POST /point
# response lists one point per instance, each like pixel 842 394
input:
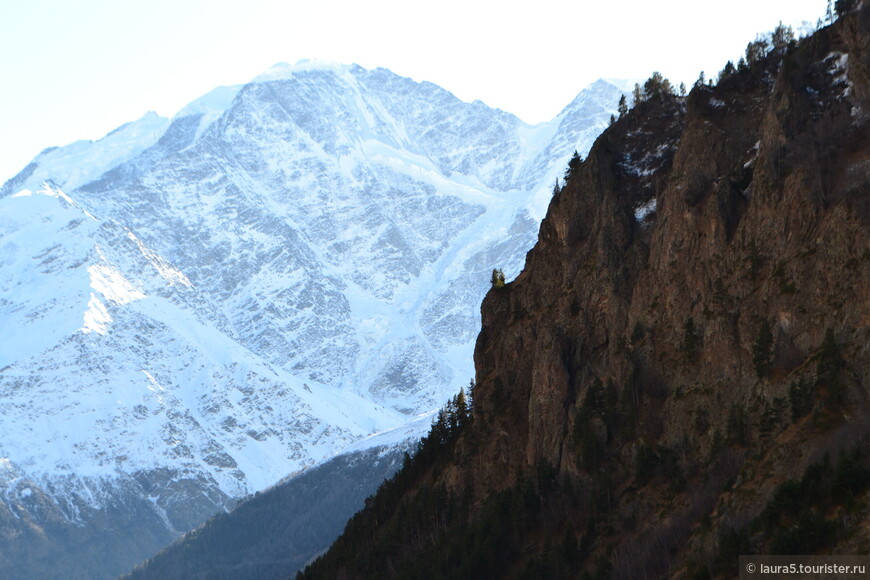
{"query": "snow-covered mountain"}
pixel 191 309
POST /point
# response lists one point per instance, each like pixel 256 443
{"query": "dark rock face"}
pixel 761 191
pixel 690 334
pixel 761 215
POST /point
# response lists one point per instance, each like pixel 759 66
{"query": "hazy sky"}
pixel 77 69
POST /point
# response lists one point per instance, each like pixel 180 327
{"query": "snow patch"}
pixel 210 106
pixel 645 210
pixel 754 151
pixel 96 317
pixel 283 71
pixel 81 162
pixel 215 102
pixel 172 275
pixel 838 68
pixel 112 285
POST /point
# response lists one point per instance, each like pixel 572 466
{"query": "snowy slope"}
pixel 107 373
pixel 83 161
pixel 279 271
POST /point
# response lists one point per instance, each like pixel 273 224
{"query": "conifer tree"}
pixel 756 50
pixel 657 86
pixel 461 409
pixel 782 37
pixel 762 350
pixel 440 428
pixel 573 165
pixel 691 344
pixel 623 106
pixel 637 96
pixel 830 367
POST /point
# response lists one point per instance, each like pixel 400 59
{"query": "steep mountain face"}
pixel 680 373
pixel 195 308
pixel 277 532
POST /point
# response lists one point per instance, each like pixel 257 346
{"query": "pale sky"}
pixel 76 69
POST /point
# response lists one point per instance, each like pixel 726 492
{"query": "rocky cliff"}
pixel 679 375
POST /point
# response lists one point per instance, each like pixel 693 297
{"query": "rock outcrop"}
pixel 680 373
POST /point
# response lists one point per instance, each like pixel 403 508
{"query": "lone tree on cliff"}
pixel 573 165
pixel 623 106
pixel 497 278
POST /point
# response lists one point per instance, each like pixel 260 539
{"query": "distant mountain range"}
pixel 194 308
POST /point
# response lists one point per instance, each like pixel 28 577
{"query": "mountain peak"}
pixel 625 85
pixel 307 258
pixel 282 70
pixel 217 100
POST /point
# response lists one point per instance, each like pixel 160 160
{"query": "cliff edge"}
pixel 680 374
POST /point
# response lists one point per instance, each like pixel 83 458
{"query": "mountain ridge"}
pixel 244 294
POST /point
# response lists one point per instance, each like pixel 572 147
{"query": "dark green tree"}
pixel 829 371
pixel 657 86
pixel 800 397
pixel 594 400
pixel 462 410
pixel 573 165
pixel 623 105
pixel 755 260
pixel 735 429
pixel 440 430
pixel 756 50
pixel 771 418
pixel 762 350
pixel 782 37
pixel 691 344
